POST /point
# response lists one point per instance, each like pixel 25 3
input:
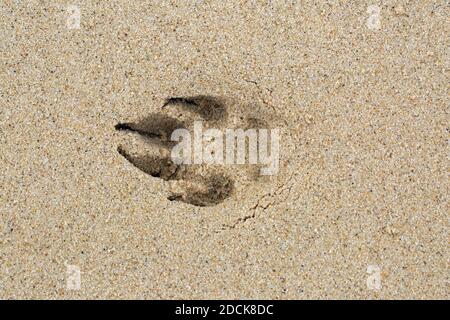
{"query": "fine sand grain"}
pixel 358 209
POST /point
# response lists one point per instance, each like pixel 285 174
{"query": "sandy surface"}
pixel 363 185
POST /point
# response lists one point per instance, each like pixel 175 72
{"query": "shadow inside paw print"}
pixel 196 184
pixel 200 191
pixel 209 108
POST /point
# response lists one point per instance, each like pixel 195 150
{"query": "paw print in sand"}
pixel 207 148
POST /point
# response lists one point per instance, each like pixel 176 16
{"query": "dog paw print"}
pixel 205 147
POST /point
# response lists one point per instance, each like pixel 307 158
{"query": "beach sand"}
pixel 359 209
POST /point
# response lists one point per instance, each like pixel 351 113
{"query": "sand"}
pixel 359 209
